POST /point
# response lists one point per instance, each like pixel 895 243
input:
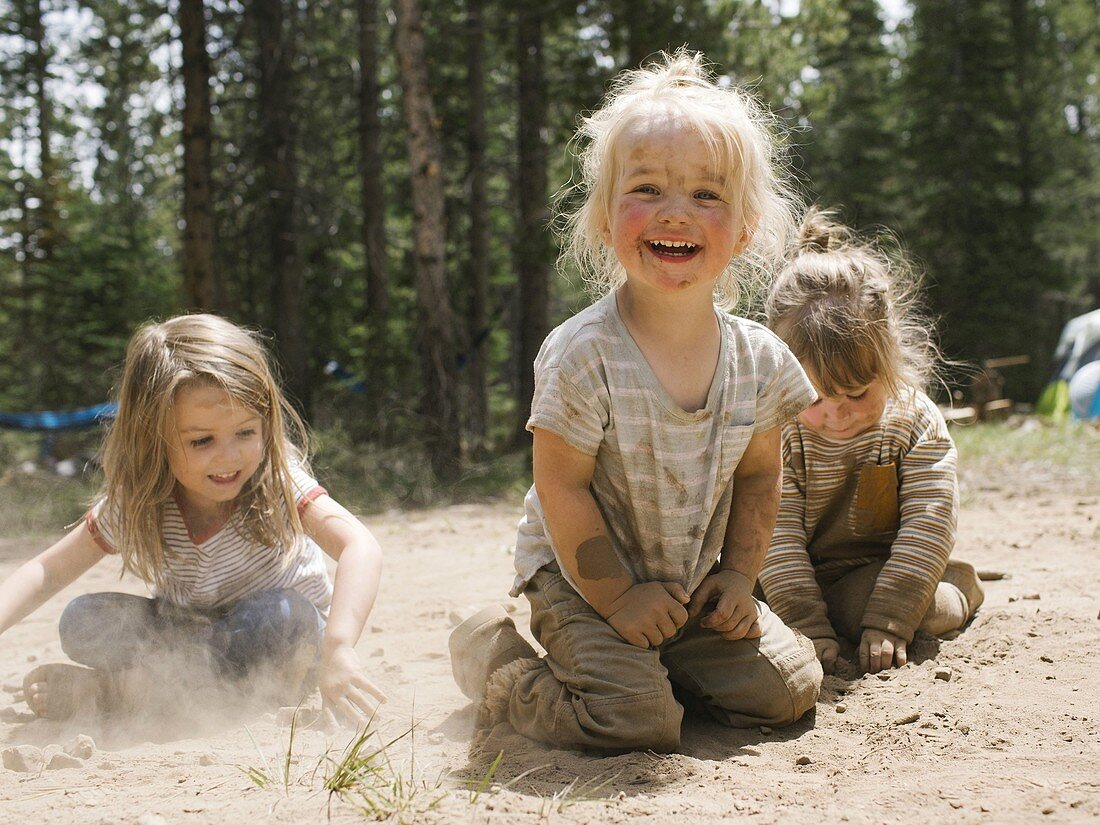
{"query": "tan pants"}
pixel 846 600
pixel 595 690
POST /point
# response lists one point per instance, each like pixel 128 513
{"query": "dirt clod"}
pixel 60 761
pixel 82 747
pixel 23 759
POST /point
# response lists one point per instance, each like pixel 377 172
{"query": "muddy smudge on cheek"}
pixel 596 560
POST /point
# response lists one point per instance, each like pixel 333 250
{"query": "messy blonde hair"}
pixel 848 309
pixel 162 359
pixel 742 139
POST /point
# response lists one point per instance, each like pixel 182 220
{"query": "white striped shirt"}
pixel 824 528
pixel 663 478
pixel 218 570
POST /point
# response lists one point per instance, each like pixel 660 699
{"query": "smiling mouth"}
pixel 224 478
pixel 674 249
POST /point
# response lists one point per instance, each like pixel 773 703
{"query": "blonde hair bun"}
pixel 821 232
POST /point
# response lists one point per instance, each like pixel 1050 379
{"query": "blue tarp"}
pixel 60 420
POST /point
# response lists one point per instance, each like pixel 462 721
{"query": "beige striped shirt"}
pixel 835 515
pixel 218 570
pixel 663 478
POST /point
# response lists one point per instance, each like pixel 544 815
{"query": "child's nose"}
pixel 674 210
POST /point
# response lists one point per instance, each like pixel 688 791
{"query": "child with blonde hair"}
pixel 655 420
pixel 207 496
pixel 870 498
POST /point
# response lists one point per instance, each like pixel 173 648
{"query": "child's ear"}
pixel 605 233
pixel 747 231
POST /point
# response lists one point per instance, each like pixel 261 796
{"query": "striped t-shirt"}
pixel 889 493
pixel 663 478
pixel 218 570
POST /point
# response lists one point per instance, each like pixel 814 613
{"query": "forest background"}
pixel 370 182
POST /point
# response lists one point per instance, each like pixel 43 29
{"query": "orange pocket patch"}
pixel 876 510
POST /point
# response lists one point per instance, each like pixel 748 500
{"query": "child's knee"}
pixel 74 626
pixel 643 722
pixel 788 686
pixel 802 676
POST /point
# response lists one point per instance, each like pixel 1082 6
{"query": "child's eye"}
pixel 708 196
pixel 646 189
pixel 202 442
pixel 857 397
pixel 247 433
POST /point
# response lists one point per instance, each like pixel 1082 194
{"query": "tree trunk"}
pixel 371 169
pixel 532 249
pixel 435 317
pixel 477 413
pixel 47 213
pixel 279 173
pixel 201 284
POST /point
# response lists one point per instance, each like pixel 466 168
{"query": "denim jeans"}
pixel 118 631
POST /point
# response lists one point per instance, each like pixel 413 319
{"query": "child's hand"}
pixel 348 695
pixel 878 650
pixel 826 651
pixel 648 614
pixel 734 612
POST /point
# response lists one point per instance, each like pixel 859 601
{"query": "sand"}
pixel 1000 724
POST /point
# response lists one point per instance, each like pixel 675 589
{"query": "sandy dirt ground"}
pixel 1001 724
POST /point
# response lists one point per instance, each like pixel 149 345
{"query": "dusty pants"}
pixel 846 598
pixel 594 690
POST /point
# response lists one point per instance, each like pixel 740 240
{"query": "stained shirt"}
pixel 663 477
pixel 889 493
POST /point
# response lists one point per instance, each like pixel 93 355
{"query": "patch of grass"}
pixel 1073 446
pixel 362 775
pixel 32 503
pixel 576 791
pixel 368 478
pixel 476 792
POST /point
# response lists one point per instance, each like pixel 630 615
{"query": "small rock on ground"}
pixel 82 747
pixel 61 760
pixel 23 759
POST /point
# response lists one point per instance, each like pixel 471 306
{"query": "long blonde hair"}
pixel 161 359
pixel 848 307
pixel 743 140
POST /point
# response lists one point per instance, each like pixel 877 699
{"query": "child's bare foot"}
pixel 59 691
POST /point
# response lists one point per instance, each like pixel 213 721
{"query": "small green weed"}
pixel 362 775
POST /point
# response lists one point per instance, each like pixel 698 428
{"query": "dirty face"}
pixel 845 415
pixel 674 220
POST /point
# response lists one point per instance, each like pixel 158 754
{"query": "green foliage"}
pixel 850 110
pixel 1069 449
pixel 371 478
pixel 971 131
pixel 982 121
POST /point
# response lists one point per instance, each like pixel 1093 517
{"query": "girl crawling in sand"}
pixel 870 498
pixel 207 496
